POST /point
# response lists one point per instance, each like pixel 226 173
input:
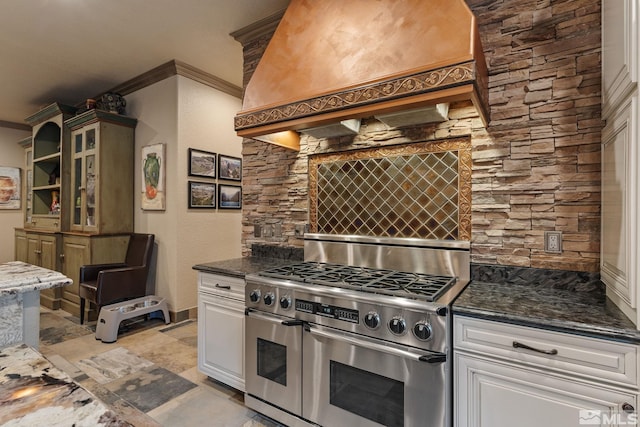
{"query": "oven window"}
pixel 366 394
pixel 272 361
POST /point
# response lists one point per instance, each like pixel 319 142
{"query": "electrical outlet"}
pixel 257 230
pixel 553 242
pixel 300 230
pixel 277 230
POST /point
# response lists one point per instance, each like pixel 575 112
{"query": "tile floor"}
pixel 149 375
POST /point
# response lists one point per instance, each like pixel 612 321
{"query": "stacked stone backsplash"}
pixel 536 167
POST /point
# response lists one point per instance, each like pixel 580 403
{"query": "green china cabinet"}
pixel 79 210
pixel 102 172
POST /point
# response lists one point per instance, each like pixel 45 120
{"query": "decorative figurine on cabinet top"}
pixel 112 102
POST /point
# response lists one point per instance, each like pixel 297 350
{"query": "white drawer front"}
pixel 217 284
pixel 592 358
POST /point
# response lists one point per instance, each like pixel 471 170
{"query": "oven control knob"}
pixel 285 302
pixel 372 320
pixel 422 330
pixel 269 298
pixel 254 296
pixel 398 325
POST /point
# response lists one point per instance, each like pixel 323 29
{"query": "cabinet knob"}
pixel 61 257
pixel 628 408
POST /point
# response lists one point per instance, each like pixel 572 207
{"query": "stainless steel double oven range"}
pixel 359 334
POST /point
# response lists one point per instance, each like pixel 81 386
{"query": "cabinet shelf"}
pixel 51 158
pixel 47 187
pixel 46 216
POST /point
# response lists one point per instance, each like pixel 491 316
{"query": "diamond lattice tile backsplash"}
pixel 418 190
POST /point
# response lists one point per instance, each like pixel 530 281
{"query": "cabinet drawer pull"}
pixel 517 344
pixel 628 408
pixel 219 286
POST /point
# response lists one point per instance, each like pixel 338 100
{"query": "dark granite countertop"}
pixel 239 267
pixel 560 308
pixel 572 302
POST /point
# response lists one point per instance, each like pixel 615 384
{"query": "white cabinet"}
pixel 221 328
pixel 508 375
pixel 620 161
pixel 494 394
pixel 619 52
pixel 620 223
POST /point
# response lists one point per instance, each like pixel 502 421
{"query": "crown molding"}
pixel 203 77
pixel 14 125
pixel 258 29
pixel 26 142
pixel 173 68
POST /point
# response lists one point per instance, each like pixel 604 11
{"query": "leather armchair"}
pixel 105 284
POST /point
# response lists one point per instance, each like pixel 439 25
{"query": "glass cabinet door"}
pixel 28 212
pixel 77 180
pixel 84 179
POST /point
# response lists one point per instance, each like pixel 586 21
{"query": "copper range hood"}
pixel 333 61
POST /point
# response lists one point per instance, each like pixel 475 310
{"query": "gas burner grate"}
pixel 298 271
pixel 422 286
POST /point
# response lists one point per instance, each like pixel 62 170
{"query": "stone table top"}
pixel 18 277
pixel 34 393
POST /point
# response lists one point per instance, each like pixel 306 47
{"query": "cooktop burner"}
pixel 421 286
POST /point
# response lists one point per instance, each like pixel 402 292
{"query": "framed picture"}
pixel 202 163
pixel 153 166
pixel 229 168
pixel 10 188
pixel 202 194
pixel 229 196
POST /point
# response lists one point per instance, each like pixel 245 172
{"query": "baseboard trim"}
pixel 182 315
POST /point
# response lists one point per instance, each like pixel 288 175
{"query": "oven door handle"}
pixel 429 358
pixel 286 322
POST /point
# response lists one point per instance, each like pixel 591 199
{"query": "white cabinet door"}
pixel 618 266
pixel 221 339
pixel 495 394
pixel 619 52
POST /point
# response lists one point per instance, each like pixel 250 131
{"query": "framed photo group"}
pixel 211 194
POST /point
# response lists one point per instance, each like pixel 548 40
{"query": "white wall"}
pixel 183 114
pixel 12 155
pixel 155 107
pixel 205 122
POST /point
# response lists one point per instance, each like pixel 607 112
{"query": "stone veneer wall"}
pixel 536 167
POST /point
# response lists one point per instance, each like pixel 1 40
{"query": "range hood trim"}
pixel 453 94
